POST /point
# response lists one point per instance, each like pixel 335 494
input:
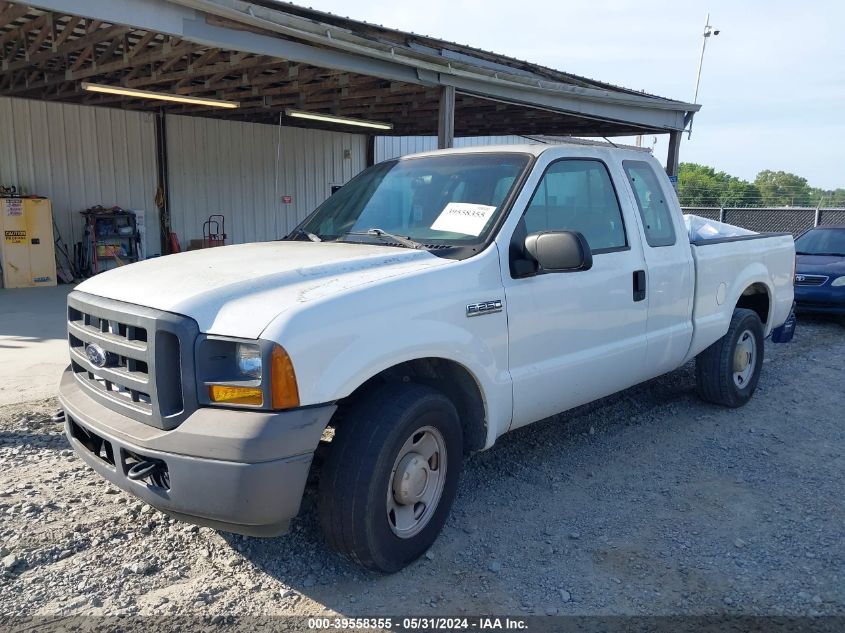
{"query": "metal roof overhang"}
pixel 270 56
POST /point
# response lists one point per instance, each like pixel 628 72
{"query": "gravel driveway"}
pixel 649 502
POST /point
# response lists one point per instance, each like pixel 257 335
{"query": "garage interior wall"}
pixel 80 156
pixel 394 146
pixel 245 170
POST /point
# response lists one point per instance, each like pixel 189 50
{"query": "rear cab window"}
pixel 651 201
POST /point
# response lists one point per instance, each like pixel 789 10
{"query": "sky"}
pixel 772 86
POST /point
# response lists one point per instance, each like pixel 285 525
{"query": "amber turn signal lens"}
pixel 282 380
pixel 235 395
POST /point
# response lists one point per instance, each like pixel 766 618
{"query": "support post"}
pixel 162 198
pixel 371 150
pixel 672 159
pixel 446 118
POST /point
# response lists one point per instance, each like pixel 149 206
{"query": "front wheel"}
pixel 727 372
pixel 391 475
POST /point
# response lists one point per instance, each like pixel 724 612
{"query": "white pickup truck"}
pixel 432 304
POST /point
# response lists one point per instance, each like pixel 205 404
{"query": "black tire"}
pixel 357 477
pixel 715 368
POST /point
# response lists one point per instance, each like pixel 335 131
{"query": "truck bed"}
pixel 728 268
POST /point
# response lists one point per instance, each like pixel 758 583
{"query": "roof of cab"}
pixel 580 149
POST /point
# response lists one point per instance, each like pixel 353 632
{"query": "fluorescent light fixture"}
pixel 158 96
pixel 329 118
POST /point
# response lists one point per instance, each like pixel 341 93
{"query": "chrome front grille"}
pixel 134 360
pixel 125 378
pixel 810 280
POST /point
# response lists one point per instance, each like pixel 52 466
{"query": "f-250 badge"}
pixel 485 307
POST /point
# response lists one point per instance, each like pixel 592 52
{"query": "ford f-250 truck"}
pixel 429 306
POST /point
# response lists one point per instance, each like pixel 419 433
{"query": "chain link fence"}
pixel 793 220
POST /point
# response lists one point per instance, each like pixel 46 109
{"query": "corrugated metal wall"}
pixel 394 146
pixel 79 156
pixel 230 167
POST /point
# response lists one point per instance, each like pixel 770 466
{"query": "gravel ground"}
pixel 649 502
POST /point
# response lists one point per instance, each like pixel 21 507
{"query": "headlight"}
pixel 839 281
pixel 245 373
pixel 249 360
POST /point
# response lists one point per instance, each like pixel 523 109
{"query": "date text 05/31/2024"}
pixel 419 624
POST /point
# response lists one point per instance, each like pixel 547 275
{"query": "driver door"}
pixel 575 336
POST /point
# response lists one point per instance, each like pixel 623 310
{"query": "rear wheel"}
pixel 727 372
pixel 390 477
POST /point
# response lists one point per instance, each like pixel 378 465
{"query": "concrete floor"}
pixel 33 342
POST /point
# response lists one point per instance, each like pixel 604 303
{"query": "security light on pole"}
pixel 708 32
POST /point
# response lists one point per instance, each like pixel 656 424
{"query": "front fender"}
pixel 339 342
pixel 359 362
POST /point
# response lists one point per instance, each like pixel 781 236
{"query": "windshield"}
pixel 451 199
pixel 821 242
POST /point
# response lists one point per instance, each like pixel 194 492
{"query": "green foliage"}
pixel 782 189
pixel 703 186
pixel 699 185
pixel 836 198
pixel 832 198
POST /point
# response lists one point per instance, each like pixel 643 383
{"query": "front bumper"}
pixel 239 471
pixel 825 299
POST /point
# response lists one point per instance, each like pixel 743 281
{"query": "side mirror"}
pixel 559 251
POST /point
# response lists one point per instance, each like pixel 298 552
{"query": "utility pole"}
pixel 708 31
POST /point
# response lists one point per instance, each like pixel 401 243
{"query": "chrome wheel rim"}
pixel 745 359
pixel 416 482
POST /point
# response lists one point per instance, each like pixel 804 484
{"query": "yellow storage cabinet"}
pixel 27 252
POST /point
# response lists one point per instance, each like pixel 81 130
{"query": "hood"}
pixel 238 290
pixel 831 265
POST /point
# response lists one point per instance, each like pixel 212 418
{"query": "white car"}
pixel 428 307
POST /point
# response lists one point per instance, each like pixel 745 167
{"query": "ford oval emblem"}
pixel 96 355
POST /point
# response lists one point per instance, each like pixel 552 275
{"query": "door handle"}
pixel 639 285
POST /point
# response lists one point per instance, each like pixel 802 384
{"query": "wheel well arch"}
pixel 757 297
pixel 445 375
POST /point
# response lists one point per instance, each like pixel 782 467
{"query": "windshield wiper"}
pixel 384 235
pixel 311 236
pixel 822 254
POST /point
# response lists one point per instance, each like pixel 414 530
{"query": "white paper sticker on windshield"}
pixel 463 217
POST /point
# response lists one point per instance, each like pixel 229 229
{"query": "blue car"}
pixel 820 270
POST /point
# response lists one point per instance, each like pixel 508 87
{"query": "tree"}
pixel 703 186
pixel 827 198
pixel 741 193
pixel 783 189
pixel 697 185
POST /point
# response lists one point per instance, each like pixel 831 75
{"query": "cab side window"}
pixel 578 195
pixel 652 203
